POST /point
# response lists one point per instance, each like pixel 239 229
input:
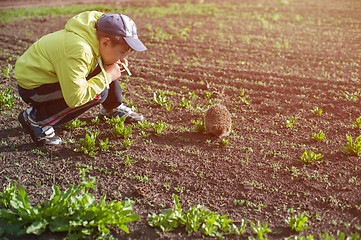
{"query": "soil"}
pixel 8 4
pixel 265 61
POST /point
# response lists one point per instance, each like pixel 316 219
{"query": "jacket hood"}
pixel 83 25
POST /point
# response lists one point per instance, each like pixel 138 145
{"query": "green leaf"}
pixel 177 203
pixel 56 193
pixel 38 227
pixel 59 224
pixel 124 228
pixel 11 227
pixel 74 211
pixel 87 231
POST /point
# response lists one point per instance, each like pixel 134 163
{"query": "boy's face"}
pixel 111 52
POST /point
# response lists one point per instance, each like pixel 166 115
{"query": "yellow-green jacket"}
pixel 67 57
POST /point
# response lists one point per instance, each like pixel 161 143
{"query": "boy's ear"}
pixel 104 41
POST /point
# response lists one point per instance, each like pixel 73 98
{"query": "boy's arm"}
pixel 77 91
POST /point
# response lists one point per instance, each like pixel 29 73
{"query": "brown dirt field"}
pixel 282 59
pixel 8 4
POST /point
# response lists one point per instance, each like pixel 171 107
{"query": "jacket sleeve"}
pixel 71 72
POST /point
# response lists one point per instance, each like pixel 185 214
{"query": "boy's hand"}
pixel 113 71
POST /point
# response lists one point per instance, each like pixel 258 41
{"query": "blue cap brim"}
pixel 135 44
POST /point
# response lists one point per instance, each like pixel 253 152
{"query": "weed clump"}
pixel 74 211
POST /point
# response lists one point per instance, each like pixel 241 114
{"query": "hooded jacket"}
pixel 67 57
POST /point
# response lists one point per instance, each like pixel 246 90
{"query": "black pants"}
pixel 50 108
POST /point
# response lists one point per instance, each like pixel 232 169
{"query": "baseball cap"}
pixel 120 24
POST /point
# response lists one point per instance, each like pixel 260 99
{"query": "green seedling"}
pixel 291 121
pixel 183 33
pixel 95 121
pixel 244 100
pixel 244 97
pixel 353 148
pixel 169 106
pixel 160 127
pixel 160 99
pixel 7 99
pixel 298 222
pixel 309 237
pixel 87 144
pixel 127 143
pixel 122 131
pixel 351 96
pixel 75 123
pixel 317 111
pixel 128 162
pixel 260 230
pixel 192 95
pixel 294 171
pixel 310 156
pixel 74 211
pixel 122 86
pixel 320 136
pixel 339 236
pixel 6 71
pixel 119 128
pixel 200 125
pixel 224 142
pixel 103 145
pixel 159 35
pixel 357 124
pixel 210 223
pixel 144 124
pixel 115 120
pixel 167 220
pixel 185 103
pixel 208 94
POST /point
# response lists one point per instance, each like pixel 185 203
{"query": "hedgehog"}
pixel 218 121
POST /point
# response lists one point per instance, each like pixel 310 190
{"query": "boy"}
pixel 65 73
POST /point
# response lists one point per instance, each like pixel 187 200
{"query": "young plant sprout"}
pixel 351 96
pixel 6 71
pixel 298 222
pixel 224 142
pixel 317 111
pixel 309 157
pixel 353 148
pixel 357 124
pixel 7 99
pixel 199 125
pixel 87 144
pixel 291 121
pixel 75 123
pixel 160 127
pixel 320 136
pixel 196 218
pixel 127 143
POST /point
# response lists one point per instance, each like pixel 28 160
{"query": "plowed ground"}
pixel 268 63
